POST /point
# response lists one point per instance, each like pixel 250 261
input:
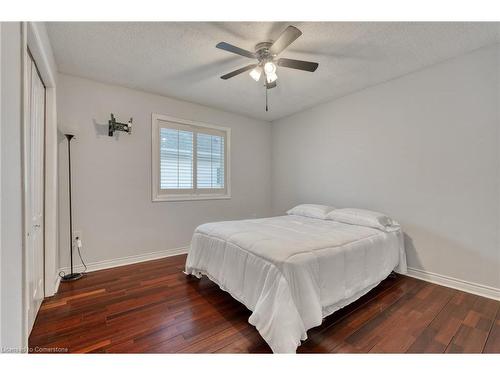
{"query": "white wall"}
pixel 11 272
pixel 423 148
pixel 112 176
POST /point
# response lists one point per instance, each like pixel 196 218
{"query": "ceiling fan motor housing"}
pixel 262 51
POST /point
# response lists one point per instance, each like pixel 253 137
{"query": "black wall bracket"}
pixel 119 126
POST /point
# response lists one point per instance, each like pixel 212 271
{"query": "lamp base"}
pixel 71 277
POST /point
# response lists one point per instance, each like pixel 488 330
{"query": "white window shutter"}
pixel 190 160
pixel 176 159
pixel 210 161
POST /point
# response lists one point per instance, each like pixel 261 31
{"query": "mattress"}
pixel 293 271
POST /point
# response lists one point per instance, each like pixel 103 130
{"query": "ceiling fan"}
pixel 266 54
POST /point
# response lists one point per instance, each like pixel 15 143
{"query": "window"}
pixel 190 160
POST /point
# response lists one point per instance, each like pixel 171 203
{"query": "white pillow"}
pixel 357 216
pixel 317 211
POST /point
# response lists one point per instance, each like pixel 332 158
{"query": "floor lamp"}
pixel 72 275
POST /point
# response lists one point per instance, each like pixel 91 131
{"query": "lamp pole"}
pixel 71 276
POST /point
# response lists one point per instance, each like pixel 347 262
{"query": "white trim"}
pixel 57 282
pixel 156 194
pixel 189 197
pixel 51 188
pixel 451 282
pixel 105 264
pixel 24 127
pixel 39 44
pixel 157 116
pixel 36 34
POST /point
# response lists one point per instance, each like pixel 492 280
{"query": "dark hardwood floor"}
pixel 153 307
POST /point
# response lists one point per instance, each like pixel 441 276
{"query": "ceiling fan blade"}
pixel 239 51
pixel 271 85
pixel 298 64
pixel 286 38
pixel 238 71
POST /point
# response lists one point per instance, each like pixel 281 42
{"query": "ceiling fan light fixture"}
pixel 266 53
pixel 271 77
pixel 269 68
pixel 255 73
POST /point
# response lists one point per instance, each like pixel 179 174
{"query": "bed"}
pixel 292 271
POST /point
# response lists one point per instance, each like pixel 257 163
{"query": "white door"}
pixel 34 154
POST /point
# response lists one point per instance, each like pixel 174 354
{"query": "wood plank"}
pixel 473 333
pixel 330 337
pixel 493 342
pixel 151 307
pixel 438 335
pixel 409 324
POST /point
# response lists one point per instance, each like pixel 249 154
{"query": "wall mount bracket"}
pixel 114 126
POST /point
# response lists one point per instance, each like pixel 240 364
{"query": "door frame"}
pixel 35 38
pixel 28 159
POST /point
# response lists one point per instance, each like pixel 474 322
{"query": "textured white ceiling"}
pixel 180 60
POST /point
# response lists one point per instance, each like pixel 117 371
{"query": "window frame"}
pixel 169 195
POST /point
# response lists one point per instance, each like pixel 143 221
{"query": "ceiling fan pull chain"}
pixel 266 55
pixel 266 98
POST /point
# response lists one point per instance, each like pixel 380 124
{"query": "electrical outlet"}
pixel 77 233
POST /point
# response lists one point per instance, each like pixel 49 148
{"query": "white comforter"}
pixel 292 271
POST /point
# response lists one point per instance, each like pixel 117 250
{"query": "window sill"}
pixel 198 197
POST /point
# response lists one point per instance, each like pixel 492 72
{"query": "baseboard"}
pixel 57 283
pixel 105 264
pixel 451 282
pixel 53 286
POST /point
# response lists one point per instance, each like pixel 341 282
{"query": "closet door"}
pixel 35 156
